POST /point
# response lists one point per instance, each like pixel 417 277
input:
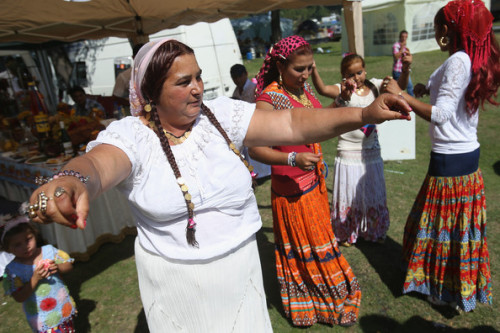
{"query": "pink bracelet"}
pixel 45 180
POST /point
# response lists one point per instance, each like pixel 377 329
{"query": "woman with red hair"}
pixel 444 246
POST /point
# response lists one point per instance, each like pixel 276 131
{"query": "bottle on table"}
pixel 40 115
pixel 66 143
pixel 28 141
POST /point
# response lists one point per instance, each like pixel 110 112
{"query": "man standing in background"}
pixel 245 89
pixel 122 82
pixel 399 51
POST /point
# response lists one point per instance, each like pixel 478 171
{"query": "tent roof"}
pixel 41 21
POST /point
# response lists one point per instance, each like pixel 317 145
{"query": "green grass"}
pixel 106 289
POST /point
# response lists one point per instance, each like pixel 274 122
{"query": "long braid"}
pixel 158 128
pixel 231 145
pixel 191 226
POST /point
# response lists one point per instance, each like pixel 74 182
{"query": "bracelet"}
pixel 339 101
pixel 44 180
pixel 292 159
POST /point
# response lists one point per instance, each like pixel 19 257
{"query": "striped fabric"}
pixel 317 284
pixel 444 246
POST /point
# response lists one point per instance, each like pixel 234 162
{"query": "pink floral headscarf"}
pixel 281 49
pixel 141 63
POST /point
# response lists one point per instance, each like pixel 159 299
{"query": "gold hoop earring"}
pixel 443 41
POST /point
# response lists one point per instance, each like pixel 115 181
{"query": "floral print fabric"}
pixel 50 304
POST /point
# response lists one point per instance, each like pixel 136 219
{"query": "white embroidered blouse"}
pixel 452 130
pixel 226 210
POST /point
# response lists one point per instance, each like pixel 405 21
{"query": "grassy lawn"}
pixel 106 291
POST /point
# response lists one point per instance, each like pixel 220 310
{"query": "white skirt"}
pixel 225 294
pixel 359 204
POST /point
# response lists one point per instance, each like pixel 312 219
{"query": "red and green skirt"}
pixel 445 247
pixel 317 284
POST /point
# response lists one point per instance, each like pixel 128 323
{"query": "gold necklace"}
pixel 302 99
pixel 177 140
pixel 360 90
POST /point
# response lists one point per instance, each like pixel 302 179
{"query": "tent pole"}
pixel 353 17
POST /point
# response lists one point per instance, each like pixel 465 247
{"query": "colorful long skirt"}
pixel 444 245
pixel 317 284
pixel 359 202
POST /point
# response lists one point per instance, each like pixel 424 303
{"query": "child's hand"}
pixel 41 270
pixel 53 268
pixel 48 266
pixel 348 87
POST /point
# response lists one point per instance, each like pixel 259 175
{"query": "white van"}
pixel 215 46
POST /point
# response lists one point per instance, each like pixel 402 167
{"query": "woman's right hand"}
pixel 386 107
pixel 307 161
pixel 420 90
pixel 67 202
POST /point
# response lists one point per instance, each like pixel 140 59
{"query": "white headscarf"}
pixel 141 63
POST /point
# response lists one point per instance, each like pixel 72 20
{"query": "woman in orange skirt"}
pixel 317 284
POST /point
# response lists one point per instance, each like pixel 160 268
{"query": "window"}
pixel 423 22
pixel 386 30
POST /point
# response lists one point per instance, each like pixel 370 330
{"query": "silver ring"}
pixel 59 191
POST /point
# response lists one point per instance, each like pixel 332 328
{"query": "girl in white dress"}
pixel 359 207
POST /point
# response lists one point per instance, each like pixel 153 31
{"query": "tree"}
pixel 275 26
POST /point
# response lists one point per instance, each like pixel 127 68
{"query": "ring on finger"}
pixel 59 191
pixel 42 202
pixel 32 213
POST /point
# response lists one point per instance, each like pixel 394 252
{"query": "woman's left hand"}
pixel 386 107
pixel 391 86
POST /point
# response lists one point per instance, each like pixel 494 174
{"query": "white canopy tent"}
pixel 384 19
pixel 69 20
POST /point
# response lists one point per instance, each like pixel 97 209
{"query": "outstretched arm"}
pixel 424 110
pixel 105 165
pixel 302 125
pixel 331 91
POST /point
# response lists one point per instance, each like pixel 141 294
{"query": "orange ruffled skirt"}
pixel 317 283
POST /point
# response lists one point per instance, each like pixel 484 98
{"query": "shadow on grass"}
pixel 385 259
pixel 108 255
pixel 142 324
pixel 268 263
pixel 416 324
pixel 496 167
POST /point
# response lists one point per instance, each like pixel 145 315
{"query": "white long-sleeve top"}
pixel 225 210
pixel 452 130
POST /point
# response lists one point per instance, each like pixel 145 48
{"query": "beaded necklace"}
pixel 360 91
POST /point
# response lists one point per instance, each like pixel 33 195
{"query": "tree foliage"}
pixel 310 12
